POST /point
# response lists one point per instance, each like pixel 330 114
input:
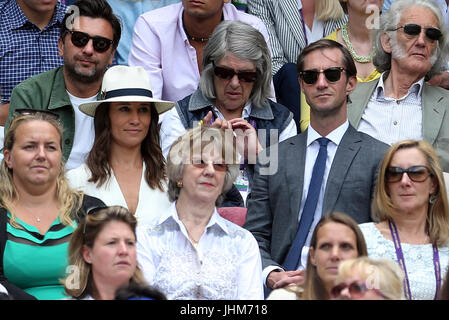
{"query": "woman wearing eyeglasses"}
pixel 336 238
pixel 368 279
pixel 38 210
pixel 233 93
pixel 191 252
pixel 125 166
pixel 411 209
pixel 102 255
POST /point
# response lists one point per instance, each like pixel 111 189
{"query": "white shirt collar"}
pixel 245 112
pixel 172 215
pixel 415 88
pixel 335 136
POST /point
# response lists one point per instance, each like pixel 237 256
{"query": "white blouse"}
pixel 226 264
pixel 152 202
pixel 418 260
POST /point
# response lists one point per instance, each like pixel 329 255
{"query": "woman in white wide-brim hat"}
pixel 125 166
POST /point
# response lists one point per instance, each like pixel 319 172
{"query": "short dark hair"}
pixel 93 9
pixel 348 61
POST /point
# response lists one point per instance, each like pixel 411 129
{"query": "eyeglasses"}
pixel 80 39
pixel 356 289
pixel 415 173
pixel 415 29
pixel 217 166
pixel 332 74
pixel 50 114
pixel 91 211
pixel 228 73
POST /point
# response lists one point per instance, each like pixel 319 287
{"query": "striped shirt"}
pixel 25 50
pixel 391 120
pixel 35 262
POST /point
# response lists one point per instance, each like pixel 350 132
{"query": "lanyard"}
pixel 304 28
pixel 400 257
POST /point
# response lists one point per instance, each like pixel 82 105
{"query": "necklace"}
pixel 361 59
pixel 196 39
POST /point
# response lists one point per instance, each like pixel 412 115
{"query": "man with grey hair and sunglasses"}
pixel 233 93
pixel 412 47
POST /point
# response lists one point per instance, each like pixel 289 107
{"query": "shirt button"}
pixel 67 141
pixel 398 102
pixel 395 123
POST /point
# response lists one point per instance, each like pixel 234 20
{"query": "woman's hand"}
pixel 246 139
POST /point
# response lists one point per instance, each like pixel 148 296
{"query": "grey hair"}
pixel 196 140
pixel 389 20
pixel 245 42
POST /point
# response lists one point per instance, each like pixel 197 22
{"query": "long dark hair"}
pixel 98 158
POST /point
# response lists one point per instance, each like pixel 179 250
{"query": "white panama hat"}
pixel 126 84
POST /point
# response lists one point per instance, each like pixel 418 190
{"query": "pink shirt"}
pixel 160 45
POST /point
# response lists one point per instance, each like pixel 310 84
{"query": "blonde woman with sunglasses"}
pixel 411 211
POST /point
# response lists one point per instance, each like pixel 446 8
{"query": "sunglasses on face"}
pixel 202 164
pixel 332 74
pixel 415 29
pixel 415 173
pixel 80 39
pixel 228 73
pixel 52 115
pixel 355 288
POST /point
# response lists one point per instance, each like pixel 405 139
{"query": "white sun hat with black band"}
pixel 126 84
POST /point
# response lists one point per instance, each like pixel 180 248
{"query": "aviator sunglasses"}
pixel 311 76
pixel 355 288
pixel 80 39
pixel 227 73
pixel 415 29
pixel 47 113
pixel 202 164
pixel 415 173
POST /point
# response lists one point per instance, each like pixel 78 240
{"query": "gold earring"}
pixel 179 184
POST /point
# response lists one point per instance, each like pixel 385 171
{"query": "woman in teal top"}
pixel 41 210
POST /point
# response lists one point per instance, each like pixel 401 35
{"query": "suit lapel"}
pixel 359 100
pixel 433 112
pixel 346 151
pixel 296 159
pixel 291 13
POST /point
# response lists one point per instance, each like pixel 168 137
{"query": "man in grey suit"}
pixel 275 208
pixel 411 48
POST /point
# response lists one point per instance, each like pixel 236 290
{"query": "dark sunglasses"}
pixel 91 211
pixel 355 288
pixel 415 29
pixel 228 73
pixel 217 166
pixel 80 39
pixel 332 74
pixel 415 173
pixel 51 115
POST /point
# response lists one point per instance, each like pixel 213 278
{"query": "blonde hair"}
pixel 438 212
pixel 328 10
pixel 85 235
pixel 383 275
pixel 69 200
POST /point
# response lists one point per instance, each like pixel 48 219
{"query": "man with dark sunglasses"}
pixel 89 36
pixel 329 167
pixel 412 47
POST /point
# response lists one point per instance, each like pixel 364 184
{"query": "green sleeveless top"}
pixel 35 262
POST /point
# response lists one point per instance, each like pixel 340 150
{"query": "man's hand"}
pixel 4 109
pixel 280 279
pixel 440 80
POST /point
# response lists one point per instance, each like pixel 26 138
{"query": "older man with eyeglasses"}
pixel 412 44
pixel 89 37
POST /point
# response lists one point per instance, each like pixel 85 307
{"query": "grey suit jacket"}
pixel 435 121
pixel 273 208
pixel 283 22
